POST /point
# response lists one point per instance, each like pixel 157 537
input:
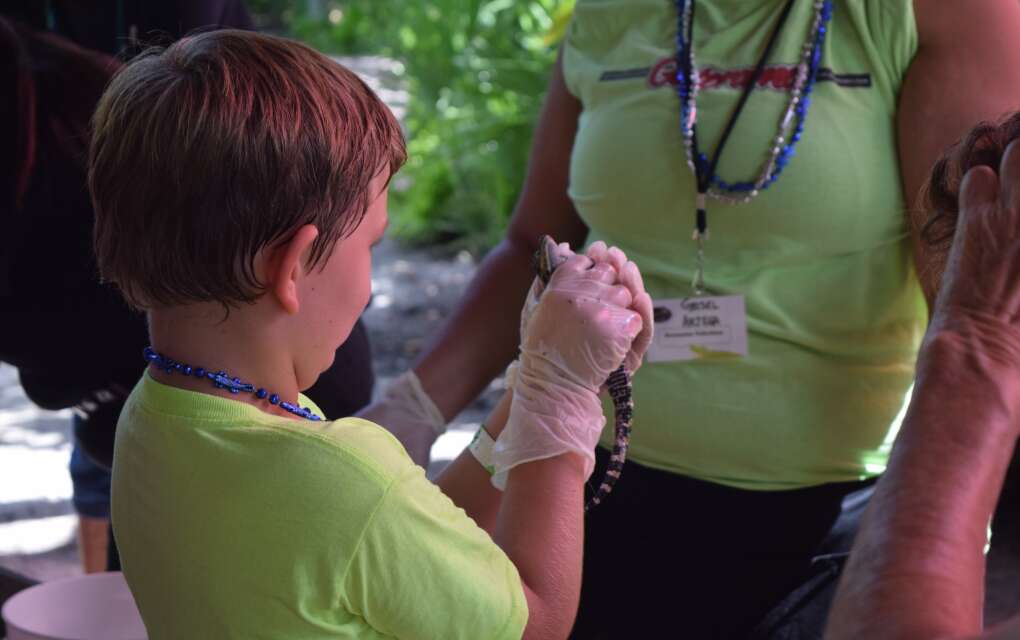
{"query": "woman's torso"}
pixel 822 257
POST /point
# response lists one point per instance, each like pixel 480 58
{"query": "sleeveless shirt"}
pixel 834 311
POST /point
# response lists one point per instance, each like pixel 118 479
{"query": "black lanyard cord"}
pixel 703 174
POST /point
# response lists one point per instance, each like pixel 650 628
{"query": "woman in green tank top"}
pixel 741 454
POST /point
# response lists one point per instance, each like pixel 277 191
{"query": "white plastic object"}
pixel 97 606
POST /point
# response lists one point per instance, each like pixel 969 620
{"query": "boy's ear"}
pixel 287 266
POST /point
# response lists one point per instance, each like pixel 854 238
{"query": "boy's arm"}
pixel 538 522
pixel 468 483
pixel 541 528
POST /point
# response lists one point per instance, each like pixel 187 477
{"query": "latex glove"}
pixel 563 253
pixel 510 377
pixel 579 331
pixel 406 411
pixel 630 277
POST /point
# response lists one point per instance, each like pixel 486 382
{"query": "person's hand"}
pixel 581 329
pixel 406 411
pixel 627 274
pixel 630 277
pixel 563 253
pixel 974 336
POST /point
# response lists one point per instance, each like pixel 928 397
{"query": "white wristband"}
pixel 481 448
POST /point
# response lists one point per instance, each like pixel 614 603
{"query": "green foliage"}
pixel 476 71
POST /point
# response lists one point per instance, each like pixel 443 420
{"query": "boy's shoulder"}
pixel 193 424
pixel 359 442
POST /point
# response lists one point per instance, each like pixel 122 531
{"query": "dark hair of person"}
pixel 939 208
pixel 207 152
pixel 49 88
pixel 17 112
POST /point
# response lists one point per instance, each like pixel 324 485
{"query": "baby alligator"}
pixel 618 383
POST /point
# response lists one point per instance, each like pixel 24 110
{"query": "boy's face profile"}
pixel 334 296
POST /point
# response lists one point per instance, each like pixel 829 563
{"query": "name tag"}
pixel 704 328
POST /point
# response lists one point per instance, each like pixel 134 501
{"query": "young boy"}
pixel 239 182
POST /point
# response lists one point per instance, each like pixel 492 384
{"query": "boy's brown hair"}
pixel 224 144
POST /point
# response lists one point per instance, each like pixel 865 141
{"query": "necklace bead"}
pixel 222 380
pixel 791 124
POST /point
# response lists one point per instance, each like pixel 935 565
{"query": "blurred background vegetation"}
pixel 475 71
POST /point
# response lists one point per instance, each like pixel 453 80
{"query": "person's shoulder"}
pixel 365 439
pixel 349 450
pixel 952 23
pixel 355 442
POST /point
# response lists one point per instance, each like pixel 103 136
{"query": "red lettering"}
pixel 778 77
pixel 663 73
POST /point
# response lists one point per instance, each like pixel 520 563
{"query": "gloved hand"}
pixel 630 277
pixel 406 411
pixel 563 253
pixel 578 332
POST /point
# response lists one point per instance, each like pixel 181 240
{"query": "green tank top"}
pixel 822 257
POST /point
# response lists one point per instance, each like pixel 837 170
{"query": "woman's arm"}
pixel 480 339
pixel 917 566
pixel 967 69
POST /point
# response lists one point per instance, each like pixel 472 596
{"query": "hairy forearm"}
pixel 917 567
pixel 540 527
pixel 481 337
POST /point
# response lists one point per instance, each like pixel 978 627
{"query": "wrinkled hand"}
pixel 578 332
pixel 406 411
pixel 974 336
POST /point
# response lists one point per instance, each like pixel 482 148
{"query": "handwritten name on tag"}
pixel 703 328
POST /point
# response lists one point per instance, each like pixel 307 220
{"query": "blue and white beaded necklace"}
pixel 222 380
pixel 791 123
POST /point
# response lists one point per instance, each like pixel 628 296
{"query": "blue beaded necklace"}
pixel 791 124
pixel 222 380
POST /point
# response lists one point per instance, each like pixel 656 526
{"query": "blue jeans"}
pixel 90 482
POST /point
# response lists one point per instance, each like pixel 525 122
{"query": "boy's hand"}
pixel 630 277
pixel 579 332
pixel 563 253
pixel 627 274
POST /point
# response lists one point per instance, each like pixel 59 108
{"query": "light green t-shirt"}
pixel 822 256
pixel 233 523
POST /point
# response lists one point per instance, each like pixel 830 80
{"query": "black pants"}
pixel 668 556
